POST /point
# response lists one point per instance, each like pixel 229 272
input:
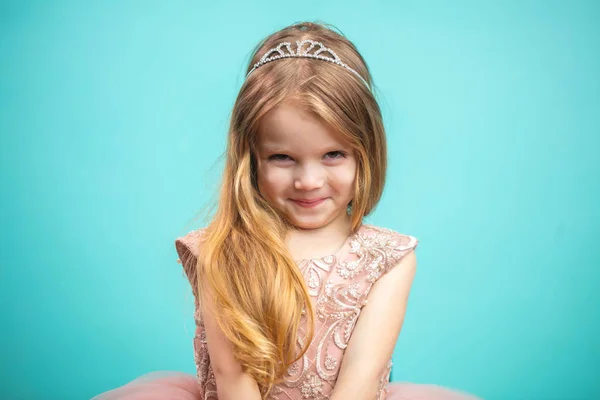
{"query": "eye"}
pixel 333 155
pixel 279 157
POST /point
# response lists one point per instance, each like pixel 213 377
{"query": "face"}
pixel 305 169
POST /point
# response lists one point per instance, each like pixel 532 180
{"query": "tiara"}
pixel 302 52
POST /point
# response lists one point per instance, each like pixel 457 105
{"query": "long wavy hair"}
pixel 259 293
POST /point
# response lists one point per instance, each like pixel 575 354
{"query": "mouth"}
pixel 309 203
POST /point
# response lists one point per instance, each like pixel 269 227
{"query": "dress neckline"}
pixel 334 254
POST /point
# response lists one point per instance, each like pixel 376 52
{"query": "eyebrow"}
pixel 272 147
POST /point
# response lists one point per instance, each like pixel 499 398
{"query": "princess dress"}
pixel 338 285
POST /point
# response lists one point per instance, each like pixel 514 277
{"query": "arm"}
pixel 376 332
pixel 232 383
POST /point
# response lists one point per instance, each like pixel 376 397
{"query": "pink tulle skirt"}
pixel 163 385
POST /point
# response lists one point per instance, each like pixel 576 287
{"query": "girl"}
pixel 295 297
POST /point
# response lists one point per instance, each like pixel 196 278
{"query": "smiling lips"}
pixel 309 203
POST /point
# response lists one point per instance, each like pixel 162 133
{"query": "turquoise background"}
pixel 113 117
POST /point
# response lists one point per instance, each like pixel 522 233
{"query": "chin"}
pixel 309 222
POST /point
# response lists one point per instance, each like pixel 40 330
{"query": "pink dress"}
pixel 338 285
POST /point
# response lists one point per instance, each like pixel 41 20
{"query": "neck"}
pixel 319 242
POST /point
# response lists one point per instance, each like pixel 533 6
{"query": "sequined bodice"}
pixel 338 286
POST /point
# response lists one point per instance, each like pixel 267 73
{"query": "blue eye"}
pixel 335 155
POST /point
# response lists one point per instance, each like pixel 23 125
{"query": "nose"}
pixel 309 177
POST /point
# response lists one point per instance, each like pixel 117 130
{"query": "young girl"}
pixel 297 298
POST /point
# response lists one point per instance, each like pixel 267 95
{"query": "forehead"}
pixel 291 126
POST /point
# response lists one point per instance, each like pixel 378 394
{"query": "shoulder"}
pixel 189 244
pixel 385 247
pixel 188 249
pixel 385 239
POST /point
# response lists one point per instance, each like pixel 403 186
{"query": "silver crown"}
pixel 303 52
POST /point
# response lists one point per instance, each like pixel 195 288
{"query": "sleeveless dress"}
pixel 338 285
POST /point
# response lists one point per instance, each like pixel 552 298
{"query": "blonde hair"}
pixel 256 286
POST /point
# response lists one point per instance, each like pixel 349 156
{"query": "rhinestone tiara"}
pixel 303 52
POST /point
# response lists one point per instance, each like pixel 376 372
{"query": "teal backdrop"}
pixel 113 117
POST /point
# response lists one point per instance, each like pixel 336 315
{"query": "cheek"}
pixel 344 177
pixel 272 180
